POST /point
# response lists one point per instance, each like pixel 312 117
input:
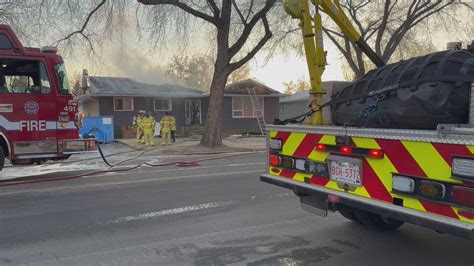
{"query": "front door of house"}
pixel 192 112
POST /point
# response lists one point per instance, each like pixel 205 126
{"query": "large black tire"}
pixel 2 158
pixel 348 214
pixel 375 220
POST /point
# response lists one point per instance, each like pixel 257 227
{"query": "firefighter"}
pixel 172 126
pixel 137 123
pixel 165 125
pixel 148 130
pixel 154 121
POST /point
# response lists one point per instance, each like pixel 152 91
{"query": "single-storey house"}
pixel 297 103
pixel 122 98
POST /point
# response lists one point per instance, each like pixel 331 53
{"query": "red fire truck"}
pixel 37 110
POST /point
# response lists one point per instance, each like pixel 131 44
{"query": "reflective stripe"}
pixel 471 148
pixel 429 159
pixel 7 125
pixel 292 143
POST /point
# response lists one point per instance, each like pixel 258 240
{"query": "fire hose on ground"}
pixel 112 169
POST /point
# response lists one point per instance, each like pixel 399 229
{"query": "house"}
pixel 297 103
pixel 237 110
pixel 122 98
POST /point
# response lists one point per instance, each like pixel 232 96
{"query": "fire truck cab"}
pixel 37 108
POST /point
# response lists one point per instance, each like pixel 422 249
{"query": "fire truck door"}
pixel 27 108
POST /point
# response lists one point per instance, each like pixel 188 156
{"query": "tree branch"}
pixel 416 17
pixel 235 48
pixel 183 6
pixel 215 9
pixel 237 9
pixel 389 50
pixel 253 52
pixel 382 27
pixel 84 25
pixel 346 53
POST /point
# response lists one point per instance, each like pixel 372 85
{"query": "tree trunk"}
pixel 213 138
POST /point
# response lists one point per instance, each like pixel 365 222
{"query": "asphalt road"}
pixel 219 213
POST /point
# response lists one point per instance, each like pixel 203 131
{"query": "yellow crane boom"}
pixel 313 43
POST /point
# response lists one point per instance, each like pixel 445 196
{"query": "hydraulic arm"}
pixel 313 43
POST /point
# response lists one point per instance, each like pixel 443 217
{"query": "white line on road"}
pixel 180 210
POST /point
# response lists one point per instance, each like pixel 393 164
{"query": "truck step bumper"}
pixel 431 221
pixel 75 146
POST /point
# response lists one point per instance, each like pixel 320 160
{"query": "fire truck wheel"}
pixel 375 220
pixel 348 214
pixel 2 159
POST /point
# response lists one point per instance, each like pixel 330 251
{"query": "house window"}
pixel 242 107
pixel 162 104
pixel 123 104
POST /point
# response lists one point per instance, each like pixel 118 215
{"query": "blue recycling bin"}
pixel 101 127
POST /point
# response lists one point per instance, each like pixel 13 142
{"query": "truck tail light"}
pixel 376 153
pixel 463 196
pixel 403 184
pixel 321 147
pixel 345 150
pixel 432 189
pixel 463 167
pixel 275 144
pixel 274 160
pixel 287 162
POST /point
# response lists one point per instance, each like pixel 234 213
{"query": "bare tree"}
pixel 386 26
pixel 233 22
pixel 197 71
pixel 297 86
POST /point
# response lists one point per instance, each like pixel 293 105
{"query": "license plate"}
pixel 345 170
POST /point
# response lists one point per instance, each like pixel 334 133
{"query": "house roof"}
pixel 304 96
pixel 240 88
pixel 296 97
pixel 115 86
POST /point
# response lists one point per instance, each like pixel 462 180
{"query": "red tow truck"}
pixel 38 113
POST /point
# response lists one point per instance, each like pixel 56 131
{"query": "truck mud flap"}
pixel 316 204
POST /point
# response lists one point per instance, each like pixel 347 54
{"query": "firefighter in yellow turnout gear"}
pixel 167 124
pixel 137 123
pixel 148 127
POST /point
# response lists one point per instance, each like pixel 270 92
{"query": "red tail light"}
pixel 321 147
pixel 345 150
pixel 376 153
pixel 463 195
pixel 274 160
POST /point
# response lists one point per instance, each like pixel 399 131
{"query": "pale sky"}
pixel 282 69
pixel 131 61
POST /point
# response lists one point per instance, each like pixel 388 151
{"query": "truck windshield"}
pixel 61 75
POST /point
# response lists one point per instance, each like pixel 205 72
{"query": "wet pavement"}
pixel 218 213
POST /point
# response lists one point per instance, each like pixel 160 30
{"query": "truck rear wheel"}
pixel 375 220
pixel 348 214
